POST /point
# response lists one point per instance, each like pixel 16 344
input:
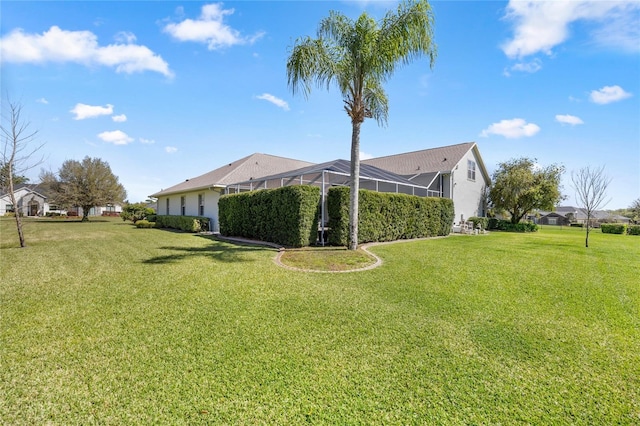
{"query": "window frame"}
pixel 471 170
pixel 201 204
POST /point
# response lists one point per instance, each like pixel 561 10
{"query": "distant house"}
pixel 456 171
pixel 199 196
pixel 565 215
pixel 29 202
pixel 35 200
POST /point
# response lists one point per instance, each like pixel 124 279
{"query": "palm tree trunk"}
pixel 354 186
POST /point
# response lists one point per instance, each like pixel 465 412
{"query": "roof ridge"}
pixel 422 150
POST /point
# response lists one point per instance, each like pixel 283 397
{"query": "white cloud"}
pixel 539 26
pixel 511 129
pixel 42 101
pixel 569 119
pixel 147 141
pixel 530 67
pixel 57 45
pixel 274 100
pixel 83 111
pixel 116 137
pixel 119 118
pixel 209 28
pixel 125 37
pixel 365 156
pixel 608 94
pixel 170 149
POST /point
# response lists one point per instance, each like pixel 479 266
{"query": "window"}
pixel 9 208
pixel 183 205
pixel 553 220
pixel 201 204
pixel 167 208
pixel 471 170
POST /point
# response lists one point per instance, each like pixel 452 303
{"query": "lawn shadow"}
pixel 218 251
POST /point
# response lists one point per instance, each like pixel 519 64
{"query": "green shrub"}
pixel 633 230
pixel 135 212
pixel 506 225
pixel 577 225
pixel 388 216
pixel 479 222
pixel 613 228
pixel 183 223
pixel 287 215
pixel 145 224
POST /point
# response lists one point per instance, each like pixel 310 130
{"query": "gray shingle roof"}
pixel 250 167
pixel 443 159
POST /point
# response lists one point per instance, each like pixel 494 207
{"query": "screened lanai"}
pixel 334 173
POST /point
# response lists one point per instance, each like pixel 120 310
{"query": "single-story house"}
pixel 565 215
pixel 199 196
pixel 457 172
pixel 35 200
pixel 29 202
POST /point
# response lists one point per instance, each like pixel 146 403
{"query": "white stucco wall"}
pixel 211 198
pixel 467 193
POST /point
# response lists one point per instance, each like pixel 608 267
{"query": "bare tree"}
pixel 17 152
pixel 590 185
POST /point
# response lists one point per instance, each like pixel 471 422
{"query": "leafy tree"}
pixel 520 186
pixel 87 184
pixel 591 191
pixel 635 210
pixel 359 56
pixel 17 154
pixel 4 178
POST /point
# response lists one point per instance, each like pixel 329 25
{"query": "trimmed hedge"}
pixel 183 223
pixel 577 225
pixel 145 224
pixel 613 228
pixel 388 216
pixel 287 215
pixel 633 230
pixel 506 225
pixel 479 222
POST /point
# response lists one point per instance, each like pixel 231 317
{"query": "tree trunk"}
pixel 586 241
pixel 12 196
pixel 354 186
pixel 85 213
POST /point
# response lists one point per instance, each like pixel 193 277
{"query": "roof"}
pixel 443 159
pixel 31 188
pixel 250 167
pixel 342 167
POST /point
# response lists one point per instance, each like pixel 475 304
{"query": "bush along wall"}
pixel 633 230
pixel 613 228
pixel 287 215
pixel 506 225
pixel 388 216
pixel 183 223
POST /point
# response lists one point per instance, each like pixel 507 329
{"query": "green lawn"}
pixel 102 323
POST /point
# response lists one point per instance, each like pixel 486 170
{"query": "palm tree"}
pixel 359 56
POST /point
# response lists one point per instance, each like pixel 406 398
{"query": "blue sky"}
pixel 168 90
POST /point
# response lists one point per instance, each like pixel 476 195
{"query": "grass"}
pixel 327 259
pixel 105 323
